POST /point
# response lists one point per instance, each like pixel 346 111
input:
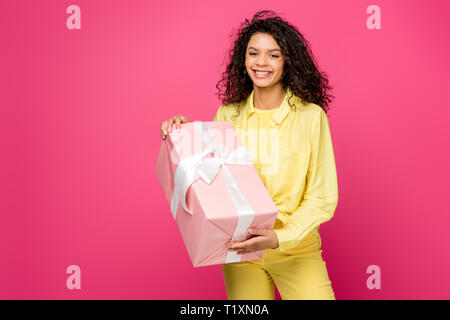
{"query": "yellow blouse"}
pixel 294 157
pixel 264 123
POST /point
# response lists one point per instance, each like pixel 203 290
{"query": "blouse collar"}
pixel 279 115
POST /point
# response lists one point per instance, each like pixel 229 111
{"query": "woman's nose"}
pixel 261 61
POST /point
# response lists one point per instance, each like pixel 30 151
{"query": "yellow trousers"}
pixel 298 273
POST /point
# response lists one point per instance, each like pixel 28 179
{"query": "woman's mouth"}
pixel 261 74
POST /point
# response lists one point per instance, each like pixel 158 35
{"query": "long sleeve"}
pixel 321 193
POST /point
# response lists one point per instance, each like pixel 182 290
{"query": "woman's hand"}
pixel 166 126
pixel 263 239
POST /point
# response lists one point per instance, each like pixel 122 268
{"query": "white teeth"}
pixel 261 72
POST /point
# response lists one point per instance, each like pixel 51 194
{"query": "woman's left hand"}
pixel 262 239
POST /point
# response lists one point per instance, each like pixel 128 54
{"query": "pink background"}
pixel 80 118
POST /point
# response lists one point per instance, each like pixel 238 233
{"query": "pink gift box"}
pixel 198 162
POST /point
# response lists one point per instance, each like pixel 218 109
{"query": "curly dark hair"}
pixel 300 72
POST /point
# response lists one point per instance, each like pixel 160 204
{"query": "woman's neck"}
pixel 268 98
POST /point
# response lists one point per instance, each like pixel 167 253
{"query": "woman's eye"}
pixel 252 54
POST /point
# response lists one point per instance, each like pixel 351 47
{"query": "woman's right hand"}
pixel 166 126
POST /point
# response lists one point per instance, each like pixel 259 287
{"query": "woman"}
pixel 277 100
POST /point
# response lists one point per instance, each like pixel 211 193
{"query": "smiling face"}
pixel 264 54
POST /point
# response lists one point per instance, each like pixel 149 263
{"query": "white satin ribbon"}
pixel 197 166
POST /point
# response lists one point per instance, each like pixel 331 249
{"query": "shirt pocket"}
pixel 288 170
pixel 294 161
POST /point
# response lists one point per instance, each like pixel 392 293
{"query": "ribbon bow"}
pixel 197 166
